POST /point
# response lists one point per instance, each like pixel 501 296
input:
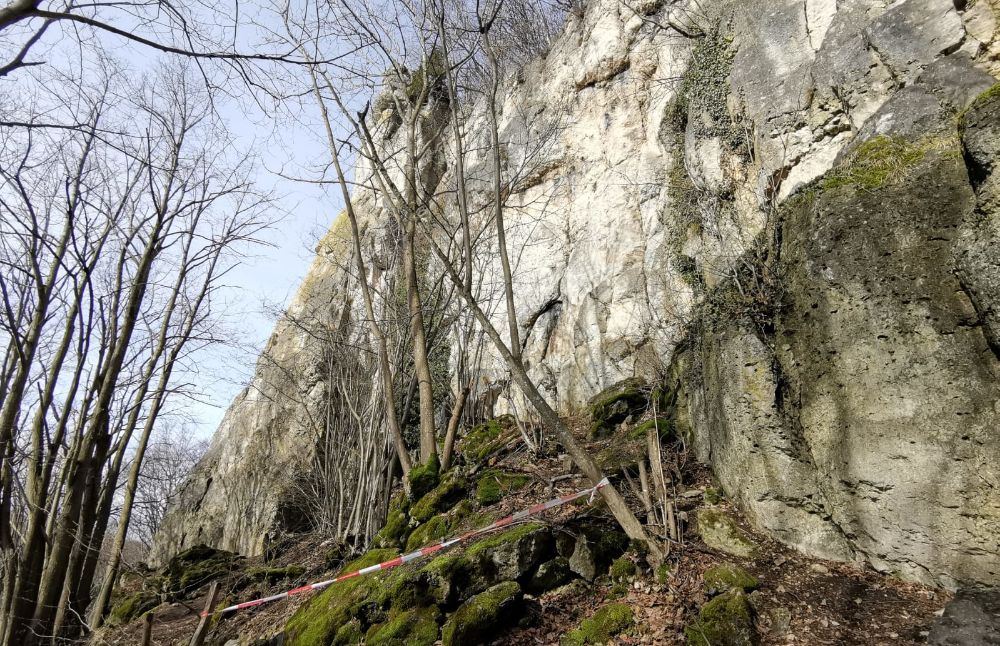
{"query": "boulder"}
pixel 726 620
pixel 719 530
pixel 483 616
pixel 972 618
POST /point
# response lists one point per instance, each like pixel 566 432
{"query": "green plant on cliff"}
pixel 879 161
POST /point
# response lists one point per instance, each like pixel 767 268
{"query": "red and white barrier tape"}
pixel 424 551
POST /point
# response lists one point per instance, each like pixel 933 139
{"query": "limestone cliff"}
pixel 790 213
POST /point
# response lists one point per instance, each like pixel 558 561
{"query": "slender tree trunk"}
pixel 619 508
pixel 453 423
pixel 385 368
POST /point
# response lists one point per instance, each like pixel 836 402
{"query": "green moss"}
pixel 411 628
pixel 195 567
pixel 497 540
pixel 484 439
pixel 434 528
pixel 452 489
pixel 607 622
pixel 705 84
pixel 622 568
pixel 727 576
pixel 550 575
pixel 663 424
pixel 132 606
pixel 424 477
pixel 440 526
pixel 395 531
pixel 663 572
pixel 988 95
pixel 879 161
pixel 482 615
pixel 274 574
pixel 493 484
pixel 440 576
pixel 349 633
pixel 613 405
pixel 318 622
pixel 726 620
pixel 713 496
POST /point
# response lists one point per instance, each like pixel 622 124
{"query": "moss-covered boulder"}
pixel 614 405
pixel 195 567
pixel 623 568
pixel 611 620
pixel 720 531
pixel 483 616
pixel 132 606
pixel 272 575
pixel 663 425
pixel 320 621
pixel 439 526
pixel 549 575
pixel 441 578
pixel 595 549
pixel 727 576
pixel 424 477
pixel 447 494
pixel 726 620
pixel 493 484
pixel 511 555
pixel 418 627
pixel 485 439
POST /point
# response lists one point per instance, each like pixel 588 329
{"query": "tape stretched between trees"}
pixel 424 551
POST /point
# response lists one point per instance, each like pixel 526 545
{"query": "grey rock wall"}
pixel 856 416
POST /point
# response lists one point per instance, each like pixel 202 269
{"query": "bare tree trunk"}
pixel 619 508
pixel 385 368
pixel 453 423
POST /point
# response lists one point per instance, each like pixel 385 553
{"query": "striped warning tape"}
pixel 424 551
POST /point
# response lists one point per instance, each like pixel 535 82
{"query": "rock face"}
pixel 792 216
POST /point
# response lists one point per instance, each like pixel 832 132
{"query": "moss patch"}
pixel 274 574
pixel 319 622
pixel 133 606
pixel 493 484
pixel 614 405
pixel 661 424
pixel 484 439
pixel 726 576
pixel 195 567
pixel 607 622
pixel 505 538
pixel 482 615
pixel 878 162
pixel 395 531
pixel 726 620
pixel 439 526
pixel 452 489
pixel 424 477
pixel 411 628
pixel 622 568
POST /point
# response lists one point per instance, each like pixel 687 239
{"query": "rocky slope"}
pixel 791 218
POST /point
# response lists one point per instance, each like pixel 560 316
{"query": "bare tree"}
pixel 126 240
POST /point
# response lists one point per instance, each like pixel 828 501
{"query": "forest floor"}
pixel 800 600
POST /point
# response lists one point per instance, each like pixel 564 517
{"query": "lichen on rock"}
pixel 727 576
pixel 721 532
